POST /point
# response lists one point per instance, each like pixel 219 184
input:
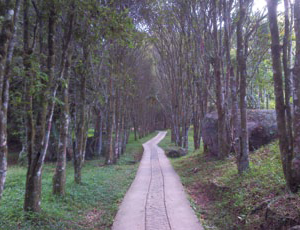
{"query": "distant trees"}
pixel 194 43
pixel 177 50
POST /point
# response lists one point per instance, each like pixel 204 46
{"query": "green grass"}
pixel 92 204
pixel 223 199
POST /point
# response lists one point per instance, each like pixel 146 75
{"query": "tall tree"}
pixel 223 146
pixel 59 178
pixel 38 130
pixel 295 183
pixel 288 147
pixel 10 13
pixel 242 157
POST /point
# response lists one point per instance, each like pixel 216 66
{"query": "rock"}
pixel 262 129
pixel 175 153
pixel 283 213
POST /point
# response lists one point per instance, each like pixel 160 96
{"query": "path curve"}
pixel 156 199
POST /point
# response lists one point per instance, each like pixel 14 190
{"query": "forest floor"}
pixel 156 199
pixel 90 205
pixel 224 200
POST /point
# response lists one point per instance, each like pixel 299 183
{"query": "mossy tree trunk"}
pixel 38 132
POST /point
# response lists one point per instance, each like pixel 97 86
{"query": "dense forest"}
pixel 78 76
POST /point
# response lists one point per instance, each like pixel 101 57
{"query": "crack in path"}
pixel 156 211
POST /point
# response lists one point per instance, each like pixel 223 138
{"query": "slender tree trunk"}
pixel 222 131
pixel 259 96
pixel 278 89
pixel 196 122
pixel 33 179
pixel 295 183
pixel 37 147
pixel 80 132
pixel 135 132
pixel 117 127
pixel 186 136
pixel 122 127
pixel 59 178
pixel 86 132
pixel 110 127
pixel 173 135
pixel 7 37
pixel 125 131
pixel 242 157
pixel 287 46
pixel 234 113
pixel 99 126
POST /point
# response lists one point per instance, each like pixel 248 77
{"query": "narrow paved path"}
pixel 156 199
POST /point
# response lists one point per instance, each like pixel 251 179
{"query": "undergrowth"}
pixel 223 199
pixel 90 205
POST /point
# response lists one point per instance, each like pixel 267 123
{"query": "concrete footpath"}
pixel 156 199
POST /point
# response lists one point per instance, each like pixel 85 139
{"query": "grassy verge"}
pixel 223 199
pixel 93 204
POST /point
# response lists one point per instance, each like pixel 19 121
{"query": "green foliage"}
pixel 91 132
pixel 92 204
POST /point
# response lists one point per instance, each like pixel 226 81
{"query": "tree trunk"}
pixel 99 130
pixel 295 183
pixel 286 61
pixel 117 127
pixel 7 43
pixel 278 89
pixel 173 135
pixel 110 127
pixel 196 123
pixel 80 132
pixel 59 178
pixel 222 130
pixel 37 146
pixel 234 113
pixel 242 157
pixel 122 127
pixel 33 181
